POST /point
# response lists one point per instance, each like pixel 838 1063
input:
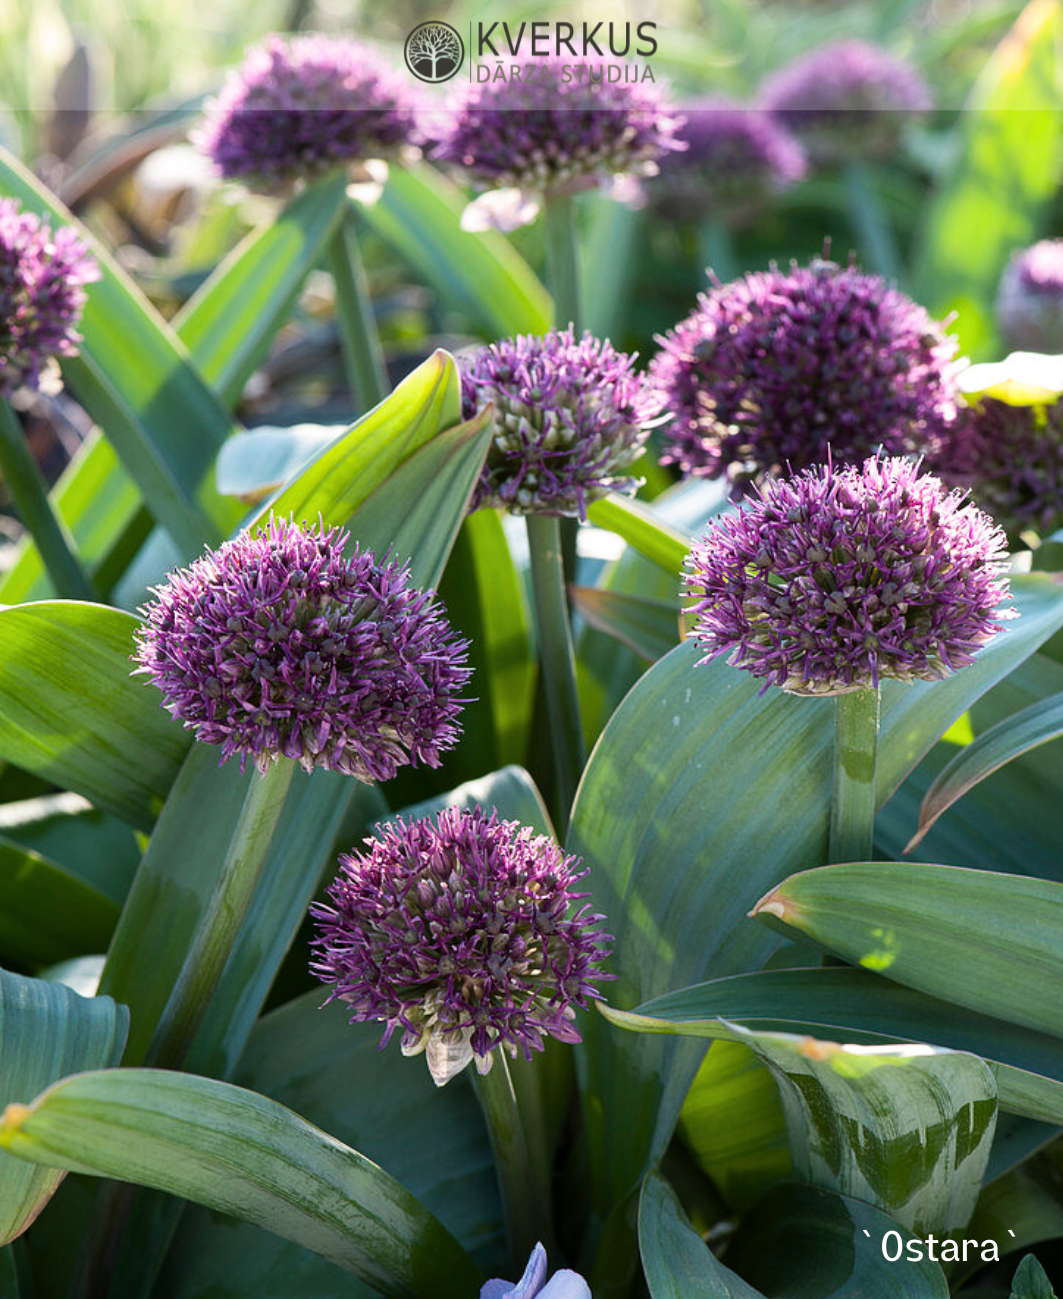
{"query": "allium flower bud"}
pixel 847 100
pixel 42 279
pixel 1030 299
pixel 835 579
pixel 1011 460
pixel 544 133
pixel 570 421
pixel 457 931
pixel 279 645
pixel 738 158
pixel 299 107
pixel 534 1285
pixel 774 371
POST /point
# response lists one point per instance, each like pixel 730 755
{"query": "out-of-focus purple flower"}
pixel 778 369
pixel 534 1285
pixel 544 133
pixel 279 645
pixel 1030 298
pixel 298 107
pixel 457 931
pixel 847 100
pixel 737 159
pixel 1011 460
pixel 570 420
pixel 42 279
pixel 835 579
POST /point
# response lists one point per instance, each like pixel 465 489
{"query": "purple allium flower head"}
pixel 1010 458
pixel 834 579
pixel 298 107
pixel 1030 298
pixel 847 100
pixel 42 279
pixel 457 931
pixel 738 158
pixel 545 133
pixel 774 370
pixel 570 421
pixel 279 645
pixel 534 1285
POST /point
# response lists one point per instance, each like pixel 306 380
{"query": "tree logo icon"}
pixel 434 51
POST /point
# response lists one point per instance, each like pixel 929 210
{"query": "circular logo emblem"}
pixel 434 52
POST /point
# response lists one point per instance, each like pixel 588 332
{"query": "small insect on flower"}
pixel 298 107
pixel 779 369
pixel 461 933
pixel 279 644
pixel 1030 299
pixel 42 292
pixel 534 1285
pixel 572 417
pixel 840 577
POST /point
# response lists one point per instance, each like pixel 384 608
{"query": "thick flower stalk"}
pixel 534 1285
pixel 463 933
pixel 1011 460
pixel 737 159
pixel 43 274
pixel 844 576
pixel 571 419
pixel 280 645
pixel 1030 299
pixel 781 369
pixel 546 134
pixel 299 107
pixel 847 100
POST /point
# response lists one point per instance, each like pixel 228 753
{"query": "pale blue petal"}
pixel 566 1285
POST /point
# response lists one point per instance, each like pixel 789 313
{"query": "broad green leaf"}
pixel 47 914
pixel 677 1262
pixel 350 469
pixel 46 1032
pixel 432 1140
pixel 240 1153
pixel 511 791
pixel 1028 1065
pixel 678 818
pixel 485 600
pixel 1009 739
pixel 642 529
pixel 72 714
pixel 1031 1281
pixel 648 627
pixel 152 404
pixel 801 1242
pixel 1007 169
pixel 990 942
pixel 228 324
pixel 419 214
pixel 257 462
pixel 1019 1210
pixel 610 263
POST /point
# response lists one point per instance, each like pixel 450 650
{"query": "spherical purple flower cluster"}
pixel 42 293
pixel 458 932
pixel 737 159
pixel 774 371
pixel 570 421
pixel 279 645
pixel 300 107
pixel 544 132
pixel 838 578
pixel 1030 298
pixel 1010 458
pixel 847 100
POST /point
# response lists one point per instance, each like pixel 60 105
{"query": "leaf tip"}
pixel 771 905
pixel 11 1120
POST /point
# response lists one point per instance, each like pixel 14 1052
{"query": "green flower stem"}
pixel 716 250
pixel 877 245
pixel 562 260
pixel 30 495
pixel 222 918
pixel 557 660
pixel 522 1176
pixel 852 816
pixel 362 351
